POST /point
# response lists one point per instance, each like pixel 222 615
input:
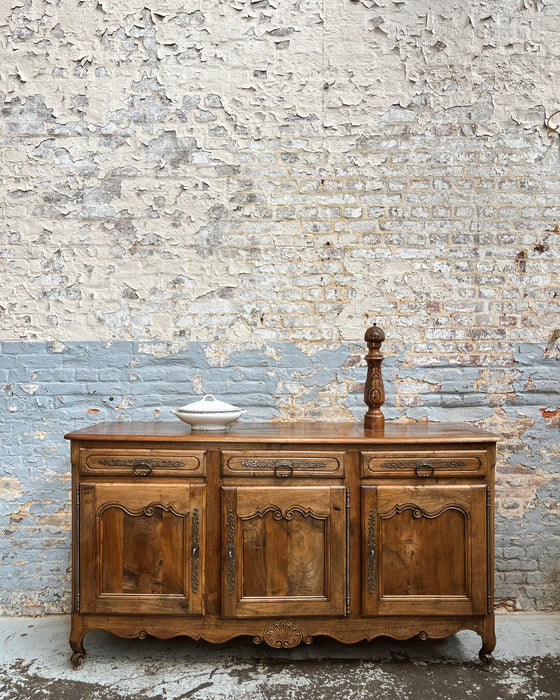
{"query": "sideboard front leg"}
pixel 76 642
pixel 78 656
pixel 488 645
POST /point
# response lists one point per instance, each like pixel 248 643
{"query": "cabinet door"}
pixel 425 550
pixel 284 551
pixel 141 548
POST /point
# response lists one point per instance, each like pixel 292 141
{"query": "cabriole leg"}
pixel 76 642
pixel 488 643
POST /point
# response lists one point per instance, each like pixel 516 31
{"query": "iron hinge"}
pixel 77 535
pixel 347 551
pixel 489 602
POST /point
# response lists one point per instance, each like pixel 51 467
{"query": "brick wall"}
pixel 220 197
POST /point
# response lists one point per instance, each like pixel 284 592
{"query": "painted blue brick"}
pixel 534 398
pixel 248 359
pixel 467 399
pixel 456 386
pixel 550 385
pixel 451 414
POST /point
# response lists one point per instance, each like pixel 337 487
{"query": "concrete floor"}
pixel 34 663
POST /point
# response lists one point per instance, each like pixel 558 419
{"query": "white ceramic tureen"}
pixel 208 414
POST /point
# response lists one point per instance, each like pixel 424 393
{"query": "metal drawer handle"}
pixel 284 475
pixel 142 468
pixel 427 466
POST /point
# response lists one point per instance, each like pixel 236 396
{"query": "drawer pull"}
pixel 142 469
pixel 288 471
pixel 424 470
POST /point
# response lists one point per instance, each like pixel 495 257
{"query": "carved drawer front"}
pixel 143 463
pixel 283 465
pixel 424 464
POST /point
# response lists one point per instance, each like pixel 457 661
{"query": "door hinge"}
pixel 347 551
pixel 77 537
pixel 489 603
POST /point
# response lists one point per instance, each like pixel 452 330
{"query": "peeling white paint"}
pixel 170 152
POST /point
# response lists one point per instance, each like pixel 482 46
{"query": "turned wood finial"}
pixel 374 392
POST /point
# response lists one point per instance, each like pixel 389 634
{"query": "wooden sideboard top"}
pixel 300 432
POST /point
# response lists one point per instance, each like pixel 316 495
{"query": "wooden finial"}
pixel 374 392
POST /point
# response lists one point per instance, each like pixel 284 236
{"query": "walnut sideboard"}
pixel 283 532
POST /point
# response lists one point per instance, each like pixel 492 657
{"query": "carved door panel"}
pixel 284 551
pixel 141 548
pixel 425 550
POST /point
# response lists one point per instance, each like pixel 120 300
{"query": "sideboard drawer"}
pixel 143 462
pixel 425 464
pixel 283 465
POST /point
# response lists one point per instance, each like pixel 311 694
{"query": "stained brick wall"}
pixel 221 196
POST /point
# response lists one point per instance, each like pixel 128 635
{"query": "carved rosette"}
pixel 374 391
pixel 283 635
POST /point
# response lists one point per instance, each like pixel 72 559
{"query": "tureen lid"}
pixel 209 404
